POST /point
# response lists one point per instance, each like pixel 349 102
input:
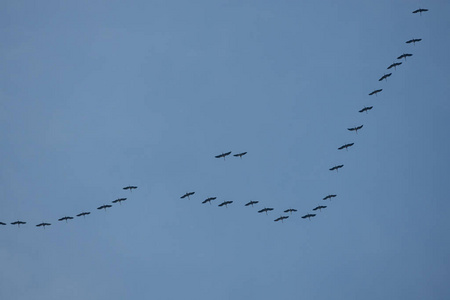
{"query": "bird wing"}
pixel 341 147
pixel 228 153
pixel 184 196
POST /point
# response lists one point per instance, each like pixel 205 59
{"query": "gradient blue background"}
pixel 97 95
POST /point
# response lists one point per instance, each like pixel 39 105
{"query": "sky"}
pixel 98 95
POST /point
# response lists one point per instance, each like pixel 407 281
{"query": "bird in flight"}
pixel 336 168
pixel 281 218
pixel 375 92
pixel 223 155
pixel 240 154
pixel 130 187
pixel 265 209
pixel 404 55
pixel 385 76
pixel 251 203
pixel 225 203
pixel 346 146
pixel 290 210
pixel 18 223
pixel 187 195
pixel 414 41
pixel 394 65
pixel 85 213
pixel 365 109
pixel 309 216
pixel 319 207
pixel 1 223
pixel 43 225
pixel 104 206
pixel 329 197
pixel 355 129
pixel 209 200
pixel 420 10
pixel 119 200
pixel 65 218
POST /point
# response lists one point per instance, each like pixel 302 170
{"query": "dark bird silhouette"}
pixel 420 10
pixel 251 203
pixel 336 168
pixel 225 203
pixel 1 223
pixel 355 129
pixel 65 218
pixel 187 195
pixel 85 213
pixel 404 55
pixel 365 109
pixel 385 76
pixel 290 210
pixel 104 206
pixel 346 146
pixel 223 155
pixel 309 216
pixel 18 223
pixel 319 207
pixel 281 218
pixel 119 200
pixel 130 187
pixel 329 197
pixel 394 65
pixel 265 209
pixel 414 41
pixel 375 92
pixel 240 154
pixel 43 225
pixel 209 200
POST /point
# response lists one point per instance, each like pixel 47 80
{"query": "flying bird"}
pixel 265 209
pixel 43 225
pixel 394 65
pixel 281 218
pixel 1 223
pixel 375 92
pixel 104 206
pixel 85 213
pixel 414 41
pixel 223 155
pixel 187 195
pixel 18 223
pixel 336 168
pixel 251 203
pixel 319 207
pixel 329 197
pixel 346 146
pixel 420 10
pixel 65 218
pixel 130 187
pixel 404 55
pixel 365 109
pixel 119 200
pixel 309 216
pixel 225 203
pixel 355 129
pixel 290 210
pixel 240 154
pixel 209 200
pixel 385 76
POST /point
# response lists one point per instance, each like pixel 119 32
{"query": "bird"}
pixel 414 41
pixel 265 209
pixel 130 187
pixel 385 76
pixel 346 146
pixel 18 223
pixel 240 154
pixel 65 218
pixel 43 225
pixel 329 197
pixel 209 200
pixel 104 206
pixel 85 213
pixel 420 10
pixel 223 155
pixel 187 195
pixel 309 216
pixel 281 218
pixel 394 65
pixel 1 223
pixel 404 55
pixel 119 200
pixel 365 109
pixel 375 92
pixel 319 207
pixel 355 129
pixel 225 203
pixel 290 210
pixel 336 168
pixel 251 203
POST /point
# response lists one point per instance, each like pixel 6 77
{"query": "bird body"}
pixel 251 203
pixel 18 223
pixel 225 203
pixel 404 55
pixel 309 216
pixel 43 225
pixel 104 206
pixel 414 41
pixel 394 65
pixel 119 200
pixel 65 218
pixel 375 92
pixel 209 200
pixel 355 129
pixel 281 218
pixel 329 197
pixel 240 154
pixel 265 209
pixel 320 207
pixel 420 10
pixel 346 146
pixel 187 195
pixel 85 213
pixel 223 155
pixel 336 168
pixel 290 210
pixel 130 187
pixel 365 109
pixel 385 76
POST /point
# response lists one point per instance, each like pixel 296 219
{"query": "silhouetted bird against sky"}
pixel 404 55
pixel 414 41
pixel 420 10
pixel 43 225
pixel 265 209
pixel 320 207
pixel 130 187
pixel 329 197
pixel 225 203
pixel 104 206
pixel 385 76
pixel 209 200
pixel 240 154
pixel 375 92
pixel 187 195
pixel 18 223
pixel 119 200
pixel 355 129
pixel 366 109
pixel 85 213
pixel 281 218
pixel 290 210
pixel 309 216
pixel 65 218
pixel 1 223
pixel 346 146
pixel 251 203
pixel 394 65
pixel 336 168
pixel 223 155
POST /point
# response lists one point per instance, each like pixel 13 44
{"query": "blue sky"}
pixel 97 95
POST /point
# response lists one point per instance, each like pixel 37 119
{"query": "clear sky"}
pixel 97 95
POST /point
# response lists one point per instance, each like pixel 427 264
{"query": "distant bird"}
pixel 404 55
pixel 130 187
pixel 385 76
pixel 394 65
pixel 43 225
pixel 290 210
pixel 281 218
pixel 1 223
pixel 18 223
pixel 251 203
pixel 223 155
pixel 365 109
pixel 85 213
pixel 336 168
pixel 309 216
pixel 104 206
pixel 420 10
pixel 319 207
pixel 187 195
pixel 375 92
pixel 346 146
pixel 265 209
pixel 240 154
pixel 225 203
pixel 119 200
pixel 65 218
pixel 414 41
pixel 209 200
pixel 355 129
pixel 329 197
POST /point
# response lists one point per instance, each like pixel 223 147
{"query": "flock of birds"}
pixel 240 155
